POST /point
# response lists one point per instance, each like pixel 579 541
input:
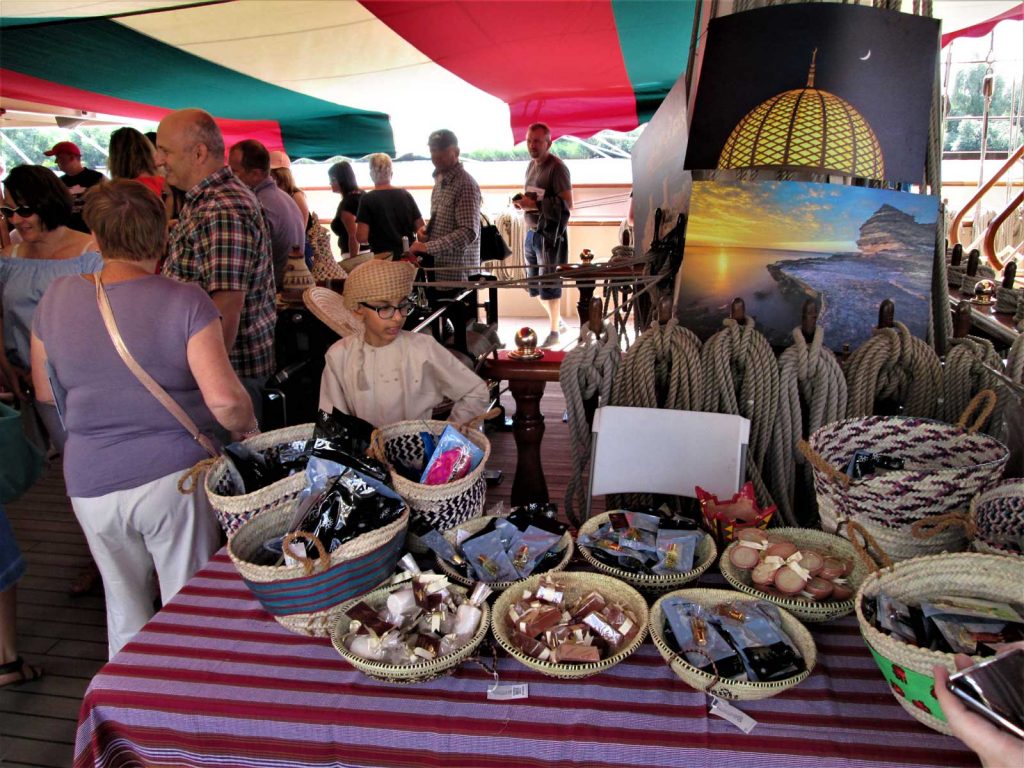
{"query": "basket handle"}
pixel 928 527
pixel 853 530
pixel 376 448
pixel 990 398
pixel 307 564
pixel 476 421
pixel 189 481
pixel 819 463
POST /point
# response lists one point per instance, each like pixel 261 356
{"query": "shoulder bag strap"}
pixel 140 373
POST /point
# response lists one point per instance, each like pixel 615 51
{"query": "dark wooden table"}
pixel 527 380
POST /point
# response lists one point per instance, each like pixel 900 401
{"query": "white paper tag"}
pixel 498 692
pixel 727 711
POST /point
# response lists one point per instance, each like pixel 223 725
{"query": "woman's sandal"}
pixel 25 672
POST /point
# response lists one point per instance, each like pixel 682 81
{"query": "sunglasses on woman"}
pixel 388 311
pixel 24 211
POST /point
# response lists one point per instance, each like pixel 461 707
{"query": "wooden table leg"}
pixel 528 485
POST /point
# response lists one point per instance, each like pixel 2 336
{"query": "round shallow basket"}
pixel 703 558
pixel 305 597
pixel 404 673
pixel 945 465
pixel 438 506
pixel 233 507
pixel 998 516
pixel 729 689
pixel 803 608
pixel 907 668
pixel 575 585
pixel 472 526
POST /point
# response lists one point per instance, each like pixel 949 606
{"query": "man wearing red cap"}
pixel 77 178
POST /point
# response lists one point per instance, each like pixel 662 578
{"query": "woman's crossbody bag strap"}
pixel 140 373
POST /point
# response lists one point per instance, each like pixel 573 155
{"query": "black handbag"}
pixel 492 245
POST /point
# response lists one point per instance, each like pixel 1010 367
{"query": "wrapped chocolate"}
pixel 454 457
pixel 420 621
pixel 544 626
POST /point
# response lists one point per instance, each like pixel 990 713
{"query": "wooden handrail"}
pixel 954 227
pixel 988 245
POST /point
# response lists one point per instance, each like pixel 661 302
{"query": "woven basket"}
pixel 729 689
pixel 907 668
pixel 564 546
pixel 305 597
pixel 234 508
pixel 652 585
pixel 998 516
pixel 802 607
pixel 410 673
pixel 439 506
pixel 945 466
pixel 576 585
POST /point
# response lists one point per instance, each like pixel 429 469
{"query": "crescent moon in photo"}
pixel 866 56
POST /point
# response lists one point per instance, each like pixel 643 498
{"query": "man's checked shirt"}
pixel 221 242
pixel 454 230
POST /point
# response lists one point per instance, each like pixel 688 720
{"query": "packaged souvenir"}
pixel 693 634
pixel 488 558
pixel 344 439
pixel 454 457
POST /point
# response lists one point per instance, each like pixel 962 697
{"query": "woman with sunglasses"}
pixel 384 374
pixel 37 207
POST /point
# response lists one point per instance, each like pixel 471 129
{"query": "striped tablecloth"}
pixel 213 680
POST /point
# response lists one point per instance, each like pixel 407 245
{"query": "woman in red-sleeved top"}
pixel 132 156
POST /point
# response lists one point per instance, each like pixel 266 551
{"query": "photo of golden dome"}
pixel 808 90
pixel 805 128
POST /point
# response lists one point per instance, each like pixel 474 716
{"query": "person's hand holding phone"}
pixel 996 747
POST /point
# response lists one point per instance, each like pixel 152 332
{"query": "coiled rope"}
pixel 662 369
pixel 741 377
pixel 587 370
pixel 965 374
pixel 1015 359
pixel 809 373
pixel 893 365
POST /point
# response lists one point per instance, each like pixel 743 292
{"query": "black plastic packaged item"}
pixel 344 439
pixel 544 516
pixel 350 506
pixel 292 457
pixel 252 467
pixel 767 653
pixel 691 633
pixel 866 463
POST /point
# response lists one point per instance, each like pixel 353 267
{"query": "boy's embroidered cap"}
pixel 378 280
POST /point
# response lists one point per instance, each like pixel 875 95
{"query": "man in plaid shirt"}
pixel 452 237
pixel 221 241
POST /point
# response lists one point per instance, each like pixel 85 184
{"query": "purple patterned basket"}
pixel 945 466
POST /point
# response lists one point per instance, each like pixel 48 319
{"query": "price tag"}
pixel 498 692
pixel 727 711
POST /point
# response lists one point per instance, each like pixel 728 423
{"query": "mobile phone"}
pixel 994 688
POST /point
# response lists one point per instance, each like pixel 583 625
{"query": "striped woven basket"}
pixel 803 608
pixel 729 689
pixel 439 506
pixel 998 516
pixel 305 597
pixel 478 523
pixel 907 668
pixel 233 507
pixel 945 465
pixel 650 584
pixel 404 673
pixel 575 585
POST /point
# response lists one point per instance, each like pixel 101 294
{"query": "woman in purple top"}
pixel 124 451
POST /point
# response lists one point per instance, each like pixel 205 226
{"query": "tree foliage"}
pixel 966 98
